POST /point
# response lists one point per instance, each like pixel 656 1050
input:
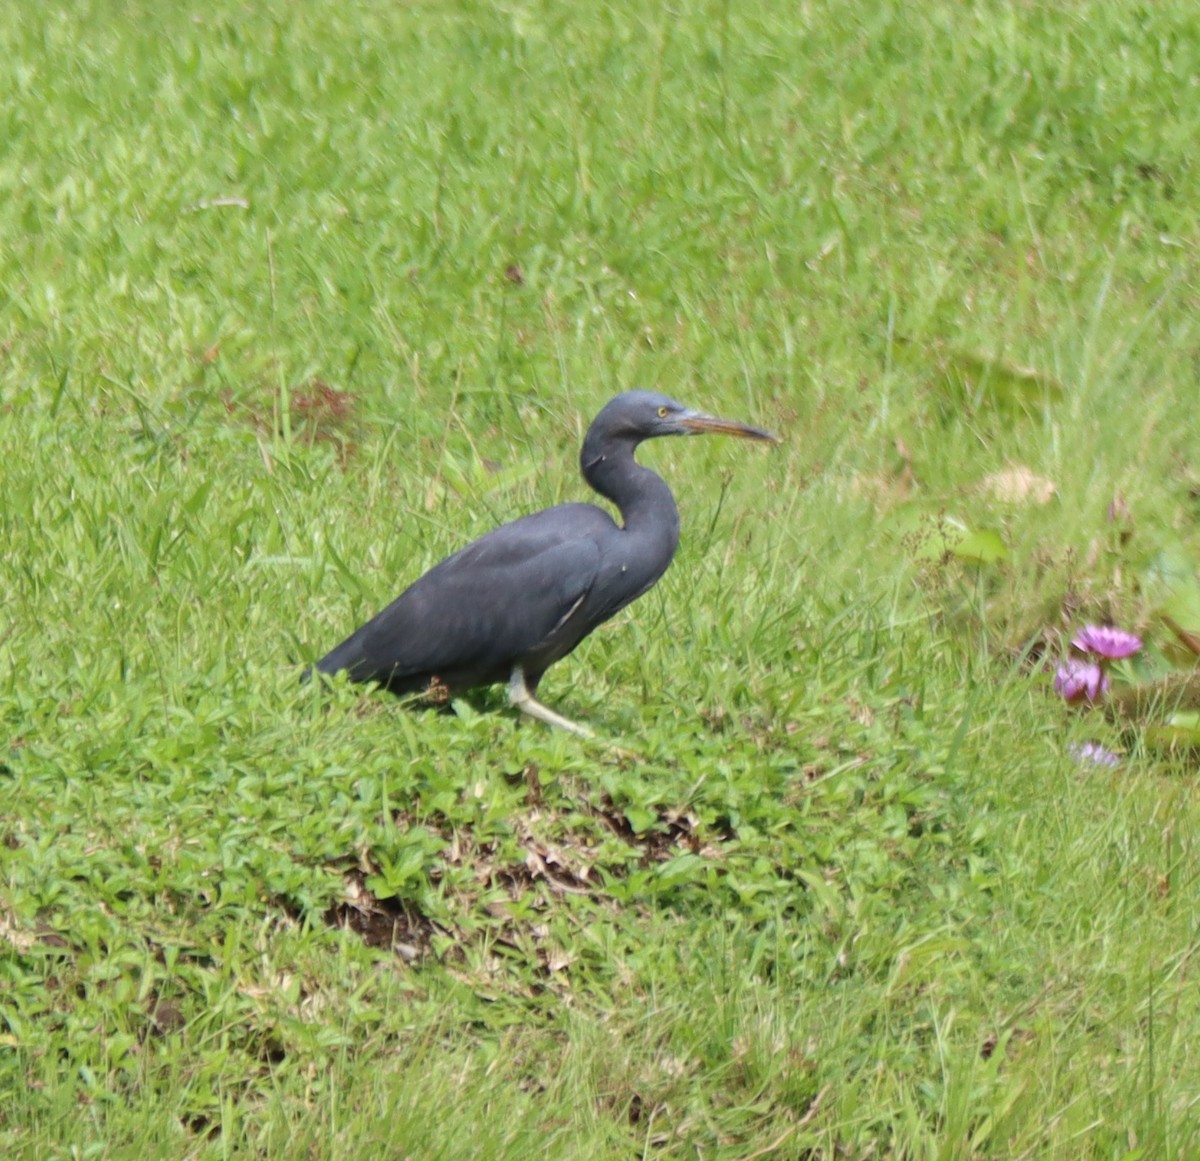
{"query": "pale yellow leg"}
pixel 519 695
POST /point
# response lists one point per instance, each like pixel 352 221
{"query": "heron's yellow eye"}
pixel 662 413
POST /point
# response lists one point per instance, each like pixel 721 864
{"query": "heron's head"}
pixel 640 415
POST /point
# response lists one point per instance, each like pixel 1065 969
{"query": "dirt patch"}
pixel 560 856
pixel 318 412
pixel 384 923
pixel 676 832
pixel 324 411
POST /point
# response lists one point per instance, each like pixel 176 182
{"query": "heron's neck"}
pixel 648 512
pixel 645 501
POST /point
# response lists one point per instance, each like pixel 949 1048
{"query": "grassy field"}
pixel 295 299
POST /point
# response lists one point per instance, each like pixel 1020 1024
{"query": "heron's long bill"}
pixel 698 424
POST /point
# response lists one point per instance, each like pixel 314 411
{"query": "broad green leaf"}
pixel 1180 731
pixel 681 869
pixel 639 818
pixel 1171 583
pixel 930 538
pixel 983 546
pixel 986 378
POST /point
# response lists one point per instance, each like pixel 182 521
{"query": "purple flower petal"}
pixel 1095 754
pixel 1076 680
pixel 1106 641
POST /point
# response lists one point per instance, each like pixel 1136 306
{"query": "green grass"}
pixel 296 299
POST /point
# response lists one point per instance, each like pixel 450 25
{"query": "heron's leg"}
pixel 519 695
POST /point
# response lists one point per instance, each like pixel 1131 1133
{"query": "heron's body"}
pixel 520 598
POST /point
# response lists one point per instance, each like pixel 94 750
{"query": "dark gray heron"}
pixel 520 598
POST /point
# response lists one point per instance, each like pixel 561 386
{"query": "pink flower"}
pixel 1080 679
pixel 1105 641
pixel 1094 754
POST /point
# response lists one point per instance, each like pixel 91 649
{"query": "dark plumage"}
pixel 520 598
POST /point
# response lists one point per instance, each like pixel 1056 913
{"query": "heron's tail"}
pixel 347 655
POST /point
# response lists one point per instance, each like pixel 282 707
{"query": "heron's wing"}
pixel 481 608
